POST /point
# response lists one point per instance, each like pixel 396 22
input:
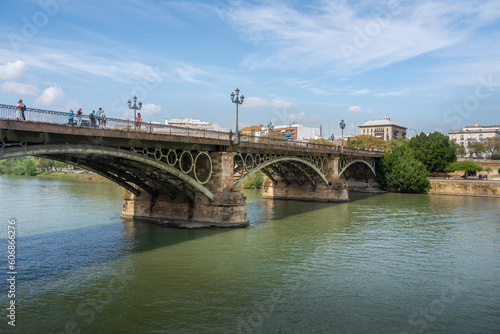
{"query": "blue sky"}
pixel 429 65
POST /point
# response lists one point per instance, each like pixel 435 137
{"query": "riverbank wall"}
pixel 465 187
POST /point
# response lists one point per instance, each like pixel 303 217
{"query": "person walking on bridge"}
pixel 70 117
pixel 103 118
pixel 138 121
pixel 79 115
pixel 92 118
pixel 20 109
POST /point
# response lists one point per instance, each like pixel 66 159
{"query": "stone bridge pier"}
pixel 309 186
pixel 226 209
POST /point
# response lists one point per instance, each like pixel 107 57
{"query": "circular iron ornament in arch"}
pixel 257 159
pixel 132 149
pixel 239 164
pixel 145 151
pixel 171 157
pixel 23 144
pixel 326 167
pixel 2 145
pixel 319 163
pixel 198 167
pixel 186 162
pixel 249 162
pixel 158 154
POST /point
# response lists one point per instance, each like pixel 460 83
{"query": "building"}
pixel 189 123
pixel 385 128
pixel 289 131
pixel 474 133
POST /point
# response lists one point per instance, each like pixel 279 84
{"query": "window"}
pixel 480 137
pixel 461 137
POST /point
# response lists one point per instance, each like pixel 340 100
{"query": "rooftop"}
pixel 384 121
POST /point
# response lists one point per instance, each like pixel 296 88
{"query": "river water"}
pixel 388 263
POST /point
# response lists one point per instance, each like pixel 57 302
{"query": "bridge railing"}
pixel 62 118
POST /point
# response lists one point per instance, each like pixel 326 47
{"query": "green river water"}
pixel 386 263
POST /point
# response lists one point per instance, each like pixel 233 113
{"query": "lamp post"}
pixel 237 101
pixel 135 107
pixel 415 132
pixel 342 126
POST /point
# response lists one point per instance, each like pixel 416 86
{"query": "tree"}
pixel 491 145
pixel 366 142
pixel 434 151
pixel 465 166
pixel 45 164
pixel 459 149
pixel 476 149
pixel 399 169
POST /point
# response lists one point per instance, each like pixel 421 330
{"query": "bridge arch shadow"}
pixel 280 161
pixel 121 166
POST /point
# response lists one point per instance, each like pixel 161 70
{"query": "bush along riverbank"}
pixel 33 166
pixel 254 182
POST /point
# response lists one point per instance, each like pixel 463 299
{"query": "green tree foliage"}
pixel 19 166
pixel 491 146
pixel 366 142
pixel 476 149
pixel 399 169
pixel 434 151
pixel 459 149
pixel 466 166
pixel 254 182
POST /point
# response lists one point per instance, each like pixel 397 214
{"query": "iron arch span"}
pixel 277 160
pixel 116 165
pixel 346 164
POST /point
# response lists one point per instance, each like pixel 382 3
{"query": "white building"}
pixel 384 128
pixel 189 123
pixel 470 134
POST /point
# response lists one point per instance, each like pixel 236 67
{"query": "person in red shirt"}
pixel 138 121
pixel 20 110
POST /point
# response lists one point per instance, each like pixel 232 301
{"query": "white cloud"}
pixel 296 117
pixel 255 102
pixel 150 110
pixel 354 109
pixel 351 38
pixel 361 92
pixel 394 93
pixel 17 88
pixel 55 98
pixel 12 71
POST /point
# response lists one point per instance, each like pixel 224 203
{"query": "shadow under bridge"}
pixel 299 169
pixel 169 172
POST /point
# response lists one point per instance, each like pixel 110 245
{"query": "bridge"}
pixel 184 176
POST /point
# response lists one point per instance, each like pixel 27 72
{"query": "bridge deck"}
pixel 169 137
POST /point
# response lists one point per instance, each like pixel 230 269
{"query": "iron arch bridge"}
pixel 152 170
pixel 298 169
pixel 357 167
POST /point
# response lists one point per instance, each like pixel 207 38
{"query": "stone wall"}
pixel 493 164
pixel 337 192
pixel 465 187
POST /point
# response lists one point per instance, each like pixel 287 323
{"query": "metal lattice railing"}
pixel 61 117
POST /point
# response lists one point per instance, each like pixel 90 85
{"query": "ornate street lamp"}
pixel 135 107
pixel 237 101
pixel 342 126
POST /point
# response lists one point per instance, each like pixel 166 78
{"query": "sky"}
pixel 428 65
